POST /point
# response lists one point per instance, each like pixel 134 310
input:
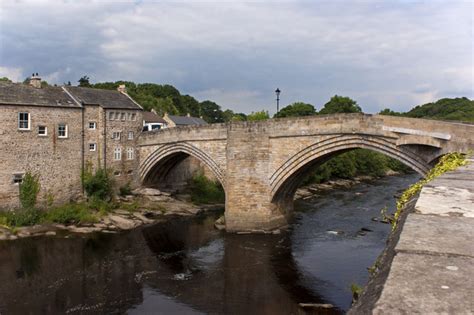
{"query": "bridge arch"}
pixel 286 179
pixel 162 160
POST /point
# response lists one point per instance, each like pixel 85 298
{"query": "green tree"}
pixel 211 112
pixel 84 82
pixel 261 115
pixel 29 189
pixel 5 79
pixel 340 104
pixel 296 109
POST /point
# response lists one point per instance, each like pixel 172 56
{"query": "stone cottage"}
pixel 57 131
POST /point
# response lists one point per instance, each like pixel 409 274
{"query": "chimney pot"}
pixel 35 81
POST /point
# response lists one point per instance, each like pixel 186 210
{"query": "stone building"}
pixel 57 131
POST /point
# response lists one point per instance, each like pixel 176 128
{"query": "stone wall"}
pixel 57 160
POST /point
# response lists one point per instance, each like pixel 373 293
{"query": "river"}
pixel 185 266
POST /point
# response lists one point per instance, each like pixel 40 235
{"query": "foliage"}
pixel 29 189
pixel 255 116
pixel 73 213
pixel 389 112
pixel 125 190
pixel 340 104
pixel 22 217
pixel 461 109
pixel 448 162
pixel 84 81
pixel 5 79
pixel 205 191
pixel 356 291
pixel 296 109
pixel 98 185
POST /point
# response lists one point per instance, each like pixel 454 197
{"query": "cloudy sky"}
pixel 381 53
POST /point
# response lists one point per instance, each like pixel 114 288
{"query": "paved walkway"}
pixel 433 269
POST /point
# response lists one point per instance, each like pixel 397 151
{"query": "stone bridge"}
pixel 261 164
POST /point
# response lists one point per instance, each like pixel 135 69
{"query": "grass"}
pixel 73 213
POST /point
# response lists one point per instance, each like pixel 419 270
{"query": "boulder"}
pixel 147 191
pixel 122 223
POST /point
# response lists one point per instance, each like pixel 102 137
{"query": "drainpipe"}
pixel 105 139
pixel 82 145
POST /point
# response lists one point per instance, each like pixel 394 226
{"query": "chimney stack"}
pixel 35 80
pixel 121 88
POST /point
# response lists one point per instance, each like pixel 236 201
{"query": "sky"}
pixel 394 54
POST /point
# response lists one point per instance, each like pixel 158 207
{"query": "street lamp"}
pixel 277 91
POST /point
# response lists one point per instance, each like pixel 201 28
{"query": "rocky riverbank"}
pixel 144 206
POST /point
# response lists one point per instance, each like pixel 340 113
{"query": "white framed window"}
pixel 118 154
pixel 116 135
pixel 117 116
pixel 122 116
pixel 134 117
pixel 17 178
pixel 62 131
pixel 92 146
pixel 130 135
pixel 24 121
pixel 111 115
pixel 42 131
pixel 130 154
pixel 92 125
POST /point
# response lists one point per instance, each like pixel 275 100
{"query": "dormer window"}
pixel 24 121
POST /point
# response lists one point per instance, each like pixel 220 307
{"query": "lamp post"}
pixel 277 92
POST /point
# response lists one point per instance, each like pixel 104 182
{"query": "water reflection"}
pixel 185 266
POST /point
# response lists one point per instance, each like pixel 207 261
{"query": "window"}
pixel 134 117
pixel 130 153
pixel 92 125
pixel 42 131
pixel 117 173
pixel 18 178
pixel 122 116
pixel 130 135
pixel 24 121
pixel 111 115
pixel 117 154
pixel 116 135
pixel 117 116
pixel 130 172
pixel 92 147
pixel 62 131
pixel 129 116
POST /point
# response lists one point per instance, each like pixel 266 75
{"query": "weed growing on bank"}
pixel 448 162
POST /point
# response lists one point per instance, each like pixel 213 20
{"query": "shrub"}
pixel 98 185
pixel 125 190
pixel 23 217
pixel 29 189
pixel 72 213
pixel 204 190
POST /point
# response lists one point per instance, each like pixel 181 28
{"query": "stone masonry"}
pixel 260 164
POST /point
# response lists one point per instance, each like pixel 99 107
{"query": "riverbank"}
pixel 144 207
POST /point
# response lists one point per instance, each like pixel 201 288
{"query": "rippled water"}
pixel 185 266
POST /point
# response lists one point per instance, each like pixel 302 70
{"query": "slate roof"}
pixel 150 117
pixel 105 98
pixel 24 94
pixel 185 120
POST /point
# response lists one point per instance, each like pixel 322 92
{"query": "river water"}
pixel 185 266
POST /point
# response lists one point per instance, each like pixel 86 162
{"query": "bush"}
pixel 23 217
pixel 70 214
pixel 204 190
pixel 99 185
pixel 29 189
pixel 125 190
